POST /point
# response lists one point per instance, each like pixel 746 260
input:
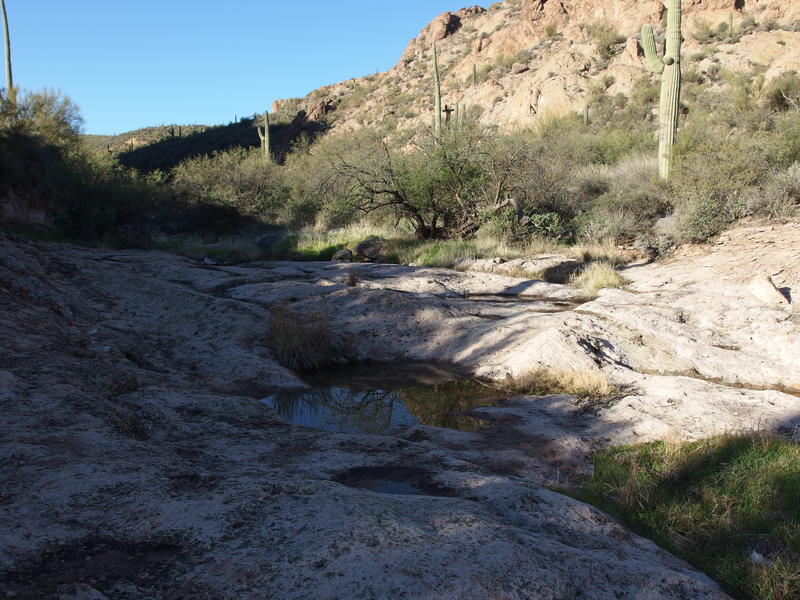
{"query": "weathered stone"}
pixel 270 239
pixel 343 255
pixel 371 247
pixel 763 288
pixel 147 393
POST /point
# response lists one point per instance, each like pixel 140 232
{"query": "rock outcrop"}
pixel 540 57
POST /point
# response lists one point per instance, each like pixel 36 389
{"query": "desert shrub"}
pixel 89 197
pixel 51 118
pixel 783 93
pixel 236 178
pixel 606 39
pixel 713 173
pixel 777 197
pixel 447 187
pixel 786 139
pixel 103 201
pixel 703 31
pixel 619 201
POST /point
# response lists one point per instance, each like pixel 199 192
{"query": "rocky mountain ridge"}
pixel 521 59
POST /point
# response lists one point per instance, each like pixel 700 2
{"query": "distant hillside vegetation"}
pixel 163 148
pixel 122 142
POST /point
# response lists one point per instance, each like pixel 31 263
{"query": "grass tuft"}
pixel 597 276
pixel 301 342
pixel 591 388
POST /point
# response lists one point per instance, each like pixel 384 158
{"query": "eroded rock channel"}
pixel 138 460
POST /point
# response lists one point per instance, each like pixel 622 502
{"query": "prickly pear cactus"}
pixel 670 69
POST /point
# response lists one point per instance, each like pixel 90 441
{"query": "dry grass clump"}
pixel 301 342
pixel 351 278
pixel 589 387
pixel 606 252
pixel 597 276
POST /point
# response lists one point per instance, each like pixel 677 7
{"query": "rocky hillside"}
pixel 522 59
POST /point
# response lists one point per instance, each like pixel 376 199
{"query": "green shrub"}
pixel 620 201
pixel 783 93
pixel 236 179
pixel 606 39
pixel 89 197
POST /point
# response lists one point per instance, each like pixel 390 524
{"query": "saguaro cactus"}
pixel 263 135
pixel 9 77
pixel 670 69
pixel 437 97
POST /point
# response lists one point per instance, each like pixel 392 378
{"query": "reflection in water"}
pixel 347 410
pixel 343 410
pixel 443 404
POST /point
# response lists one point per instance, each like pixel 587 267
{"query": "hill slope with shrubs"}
pixel 548 171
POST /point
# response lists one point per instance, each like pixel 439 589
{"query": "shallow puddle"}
pixel 393 479
pixel 536 303
pixel 379 398
pixel 386 486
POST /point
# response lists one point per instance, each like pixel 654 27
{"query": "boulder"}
pixel 764 289
pixel 270 239
pixel 319 109
pixel 443 26
pixel 343 255
pixel 371 247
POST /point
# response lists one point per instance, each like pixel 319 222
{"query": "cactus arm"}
pixel 650 52
pixel 437 97
pixel 672 51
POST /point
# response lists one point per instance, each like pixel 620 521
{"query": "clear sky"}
pixel 133 63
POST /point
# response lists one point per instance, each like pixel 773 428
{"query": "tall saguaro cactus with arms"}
pixel 670 69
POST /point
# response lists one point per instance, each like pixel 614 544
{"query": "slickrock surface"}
pixel 136 461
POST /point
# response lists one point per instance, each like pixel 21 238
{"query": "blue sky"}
pixel 130 64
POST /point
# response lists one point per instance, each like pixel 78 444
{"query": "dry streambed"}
pixel 138 462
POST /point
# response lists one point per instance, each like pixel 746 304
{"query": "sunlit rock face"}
pixel 535 58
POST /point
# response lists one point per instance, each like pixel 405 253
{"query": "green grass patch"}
pixel 730 505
